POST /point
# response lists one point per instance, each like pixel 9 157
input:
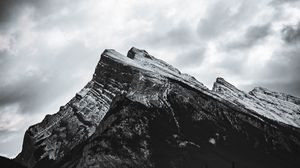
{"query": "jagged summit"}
pixel 260 90
pixel 135 52
pixel 141 60
pixel 139 111
pixel 222 80
pixel 221 84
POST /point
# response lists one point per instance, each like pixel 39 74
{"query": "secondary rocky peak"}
pixel 260 91
pixel 135 52
pixel 110 53
pixel 221 85
pixel 273 105
pixel 106 51
pixel 221 81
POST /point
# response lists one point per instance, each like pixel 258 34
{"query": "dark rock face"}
pixel 5 162
pixel 138 111
pixel 77 120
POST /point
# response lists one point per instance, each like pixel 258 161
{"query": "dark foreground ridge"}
pixel 138 111
pixel 8 163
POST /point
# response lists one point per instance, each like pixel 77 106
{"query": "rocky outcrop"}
pixel 138 111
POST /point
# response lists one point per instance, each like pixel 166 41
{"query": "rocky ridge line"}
pixel 148 81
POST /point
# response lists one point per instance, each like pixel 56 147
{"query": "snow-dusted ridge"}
pixel 142 60
pixel 273 105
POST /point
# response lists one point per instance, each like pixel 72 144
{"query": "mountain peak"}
pixel 222 81
pixel 141 60
pixel 222 84
pixel 135 52
pixel 260 90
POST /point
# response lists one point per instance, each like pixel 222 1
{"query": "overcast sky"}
pixel 49 49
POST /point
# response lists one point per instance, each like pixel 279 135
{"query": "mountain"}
pixel 138 111
pixel 8 163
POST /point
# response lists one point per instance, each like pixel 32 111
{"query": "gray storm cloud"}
pixel 252 36
pixel 291 34
pixel 49 49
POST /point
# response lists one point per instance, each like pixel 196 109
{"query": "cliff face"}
pixel 138 111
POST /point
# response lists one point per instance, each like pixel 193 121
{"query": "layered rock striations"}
pixel 138 111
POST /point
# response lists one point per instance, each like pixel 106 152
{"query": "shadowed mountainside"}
pixel 138 111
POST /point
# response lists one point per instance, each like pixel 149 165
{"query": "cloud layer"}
pixel 49 49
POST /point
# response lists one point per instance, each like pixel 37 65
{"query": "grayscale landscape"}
pixel 177 84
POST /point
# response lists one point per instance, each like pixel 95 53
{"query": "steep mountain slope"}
pixel 183 128
pixel 77 120
pixel 154 116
